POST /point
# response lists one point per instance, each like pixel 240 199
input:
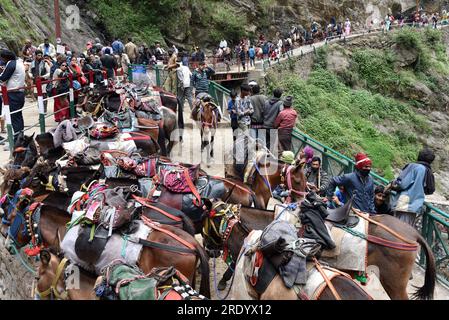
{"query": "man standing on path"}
pixel 13 76
pixel 357 184
pixel 117 46
pixel 285 122
pixel 41 68
pixel 415 181
pixel 184 84
pixel 244 109
pixel 252 56
pixel 200 78
pixel 108 61
pixel 131 51
pixel 258 102
pixel 47 48
pixel 232 110
pixel 270 113
pixel 170 83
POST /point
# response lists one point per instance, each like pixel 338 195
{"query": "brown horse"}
pixel 206 114
pixel 52 228
pixel 395 265
pixel 267 173
pixel 52 283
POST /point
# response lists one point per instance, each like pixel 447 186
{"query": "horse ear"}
pixel 32 136
pixel 45 257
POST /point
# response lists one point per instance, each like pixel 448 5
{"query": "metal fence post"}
pixel 91 79
pixel 158 75
pixel 9 127
pixel 71 98
pixel 40 104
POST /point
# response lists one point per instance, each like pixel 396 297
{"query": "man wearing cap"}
pixel 285 122
pixel 415 181
pixel 357 184
pixel 108 61
pixel 47 48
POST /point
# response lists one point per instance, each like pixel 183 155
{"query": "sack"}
pixel 75 147
pixel 175 180
pixel 121 119
pixel 90 156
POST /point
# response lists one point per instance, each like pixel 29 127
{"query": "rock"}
pixel 337 62
pixel 404 56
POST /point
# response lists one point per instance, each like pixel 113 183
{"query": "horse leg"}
pixel 212 144
pixel 161 142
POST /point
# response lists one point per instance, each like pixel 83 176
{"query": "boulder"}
pixel 404 56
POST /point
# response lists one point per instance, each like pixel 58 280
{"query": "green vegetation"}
pixel 14 27
pixel 366 107
pixel 346 119
pixel 148 23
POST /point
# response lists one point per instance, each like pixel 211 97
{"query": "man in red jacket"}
pixel 285 122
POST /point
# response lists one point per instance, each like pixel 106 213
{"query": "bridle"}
pixel 53 290
pixel 229 219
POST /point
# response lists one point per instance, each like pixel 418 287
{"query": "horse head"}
pixel 14 220
pixel 51 276
pixel 296 180
pixel 25 151
pixel 216 219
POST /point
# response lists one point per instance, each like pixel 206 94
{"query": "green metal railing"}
pixel 434 226
pixel 221 96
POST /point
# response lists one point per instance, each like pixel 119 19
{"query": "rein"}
pixel 53 290
pixel 165 213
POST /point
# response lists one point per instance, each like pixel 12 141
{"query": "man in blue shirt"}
pixel 415 181
pixel 358 184
pixel 252 56
pixel 117 46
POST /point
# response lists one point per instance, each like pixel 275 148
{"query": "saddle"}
pixel 340 216
pixel 149 126
pixel 120 281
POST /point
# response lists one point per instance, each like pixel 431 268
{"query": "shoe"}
pixel 221 285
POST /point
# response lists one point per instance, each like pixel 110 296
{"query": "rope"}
pixel 17 253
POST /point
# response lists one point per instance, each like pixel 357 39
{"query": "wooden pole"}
pixel 57 19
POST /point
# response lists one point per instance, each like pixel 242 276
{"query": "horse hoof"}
pixel 221 285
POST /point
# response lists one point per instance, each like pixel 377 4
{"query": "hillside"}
pixel 186 22
pixel 385 94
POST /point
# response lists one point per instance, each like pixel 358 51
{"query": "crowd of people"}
pixel 271 121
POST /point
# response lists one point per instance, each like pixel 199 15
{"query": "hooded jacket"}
pixel 271 111
pixel 258 102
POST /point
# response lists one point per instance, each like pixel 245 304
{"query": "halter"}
pixel 53 290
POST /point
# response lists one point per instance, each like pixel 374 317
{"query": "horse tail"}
pixel 205 271
pixel 427 290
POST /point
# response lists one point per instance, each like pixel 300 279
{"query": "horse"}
pixel 395 266
pixel 25 151
pixel 161 248
pixel 207 115
pixel 264 176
